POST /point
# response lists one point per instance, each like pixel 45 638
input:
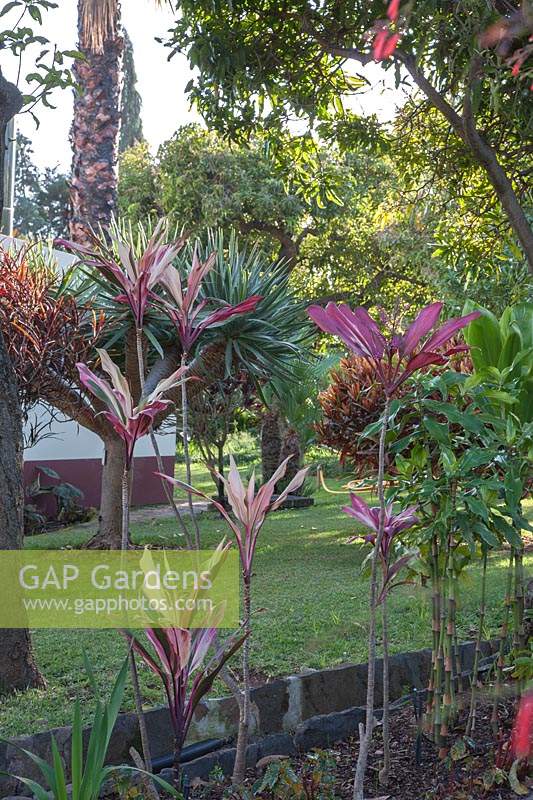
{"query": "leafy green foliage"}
pixel 268 340
pixel 331 215
pixel 88 773
pixel 49 69
pixel 502 354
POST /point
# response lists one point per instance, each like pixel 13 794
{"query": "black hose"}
pixel 196 750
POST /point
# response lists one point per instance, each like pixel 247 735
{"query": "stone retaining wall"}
pixel 312 709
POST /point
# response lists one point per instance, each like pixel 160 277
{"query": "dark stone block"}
pixel 295 501
pixel 324 730
pixel 159 732
pixel 333 689
pixel 272 701
pixel 277 744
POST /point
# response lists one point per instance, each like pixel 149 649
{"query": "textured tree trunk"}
pixel 271 442
pixel 291 447
pixel 109 536
pixel 10 104
pixel 96 126
pixel 17 667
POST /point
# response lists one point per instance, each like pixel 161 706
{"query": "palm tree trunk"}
pixel 17 666
pixel 96 126
pixel 271 442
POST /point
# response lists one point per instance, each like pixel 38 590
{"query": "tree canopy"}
pixel 262 64
pixel 352 241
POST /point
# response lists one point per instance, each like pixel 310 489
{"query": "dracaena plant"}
pixel 250 509
pixel 186 311
pixel 180 661
pixel 392 526
pixel 114 400
pixel 393 359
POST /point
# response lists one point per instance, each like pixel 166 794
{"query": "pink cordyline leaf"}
pixel 369 517
pixel 135 277
pixel 131 423
pixel 180 657
pixel 184 310
pixel 393 10
pixel 393 360
pixel 249 508
pixel 394 524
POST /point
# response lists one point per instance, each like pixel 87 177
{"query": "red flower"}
pixel 393 10
pixel 522 739
pixel 384 44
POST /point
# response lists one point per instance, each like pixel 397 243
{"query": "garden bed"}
pixel 417 773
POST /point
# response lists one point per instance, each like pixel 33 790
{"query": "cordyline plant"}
pixel 180 663
pixel 180 652
pixel 393 360
pixel 131 423
pixel 185 311
pixel 135 278
pixel 393 525
pixel 140 280
pixel 250 509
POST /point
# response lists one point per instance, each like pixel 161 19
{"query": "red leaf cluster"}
pixel 45 331
pixel 353 400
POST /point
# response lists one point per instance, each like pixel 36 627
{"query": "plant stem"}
pixel 435 627
pixel 131 657
pixel 365 739
pixel 186 453
pixel 153 438
pixel 385 771
pixel 439 669
pixel 504 633
pixel 125 509
pixel 239 770
pixel 456 651
pixel 145 742
pixel 519 605
pixel 471 723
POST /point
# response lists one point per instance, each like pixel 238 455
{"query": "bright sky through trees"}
pixel 161 83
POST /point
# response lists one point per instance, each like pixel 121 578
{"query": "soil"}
pixel 417 772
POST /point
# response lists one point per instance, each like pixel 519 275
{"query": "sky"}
pixel 161 83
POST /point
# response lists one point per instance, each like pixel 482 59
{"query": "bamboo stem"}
pixel 504 633
pixel 471 723
pixel 435 626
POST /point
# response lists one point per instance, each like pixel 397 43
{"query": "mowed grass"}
pixel 314 610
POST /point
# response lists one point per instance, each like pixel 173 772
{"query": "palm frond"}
pixel 98 22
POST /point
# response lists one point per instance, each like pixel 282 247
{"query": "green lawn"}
pixel 307 581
